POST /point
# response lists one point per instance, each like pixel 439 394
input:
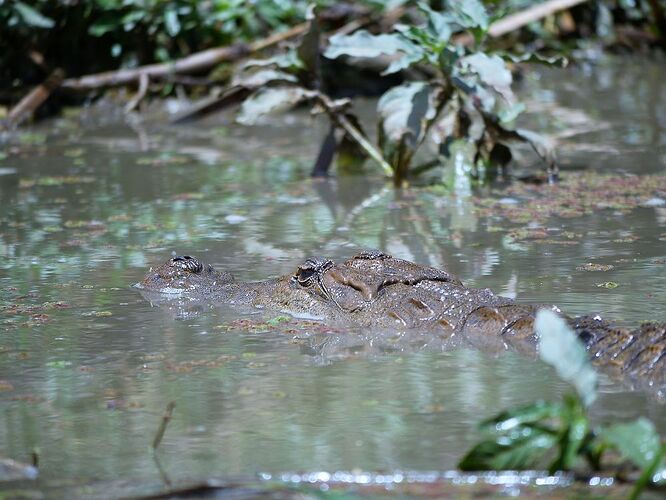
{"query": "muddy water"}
pixel 88 204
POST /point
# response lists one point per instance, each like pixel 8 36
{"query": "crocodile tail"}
pixel 639 354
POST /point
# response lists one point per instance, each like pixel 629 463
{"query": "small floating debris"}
pixel 235 219
pixel 591 266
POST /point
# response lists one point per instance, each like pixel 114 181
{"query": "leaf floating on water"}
pixel 278 320
pixel 561 348
pixel 59 364
pixel 608 284
pixel 269 100
pixel 591 266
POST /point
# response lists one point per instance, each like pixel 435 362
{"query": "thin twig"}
pixel 348 127
pixel 144 80
pixel 166 418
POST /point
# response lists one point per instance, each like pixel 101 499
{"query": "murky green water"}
pixel 87 365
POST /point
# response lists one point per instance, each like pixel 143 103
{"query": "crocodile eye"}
pixel 307 273
pixel 187 263
pixel 305 276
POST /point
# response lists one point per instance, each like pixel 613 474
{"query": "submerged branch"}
pixel 166 418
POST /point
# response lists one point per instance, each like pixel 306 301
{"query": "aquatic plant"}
pixel 561 433
pixel 465 102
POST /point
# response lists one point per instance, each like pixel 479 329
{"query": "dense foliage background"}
pixel 85 36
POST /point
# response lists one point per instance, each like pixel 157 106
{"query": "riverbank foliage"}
pixel 109 34
pixel 442 72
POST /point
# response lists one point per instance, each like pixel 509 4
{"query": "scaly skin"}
pixel 376 291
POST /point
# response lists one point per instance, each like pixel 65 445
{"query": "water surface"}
pixel 88 365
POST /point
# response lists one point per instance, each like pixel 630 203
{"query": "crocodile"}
pixel 373 290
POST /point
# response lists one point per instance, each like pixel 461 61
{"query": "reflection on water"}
pixel 88 365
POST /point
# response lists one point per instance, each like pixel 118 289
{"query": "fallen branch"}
pixel 194 63
pixel 520 19
pixel 215 102
pixel 523 18
pixel 27 106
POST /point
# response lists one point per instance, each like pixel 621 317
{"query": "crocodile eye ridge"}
pixel 187 263
pixel 307 273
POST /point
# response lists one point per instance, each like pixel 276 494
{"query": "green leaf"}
pixel 654 473
pixel 573 436
pixel 171 22
pixel 511 419
pixel 363 44
pixel 520 449
pixel 560 347
pixel 533 57
pixel 437 24
pixel 469 13
pixel 269 100
pixel 33 17
pixel 637 441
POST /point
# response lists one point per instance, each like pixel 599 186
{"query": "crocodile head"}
pixel 357 282
pixel 340 285
pixel 183 273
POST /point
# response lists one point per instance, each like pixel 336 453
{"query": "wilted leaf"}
pixel 32 17
pixel 269 100
pixel 261 78
pixel 533 57
pixel 402 110
pixel 469 13
pixel 287 61
pixel 363 44
pixel 491 70
pixel 403 63
pixel 560 347
pixel 437 23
